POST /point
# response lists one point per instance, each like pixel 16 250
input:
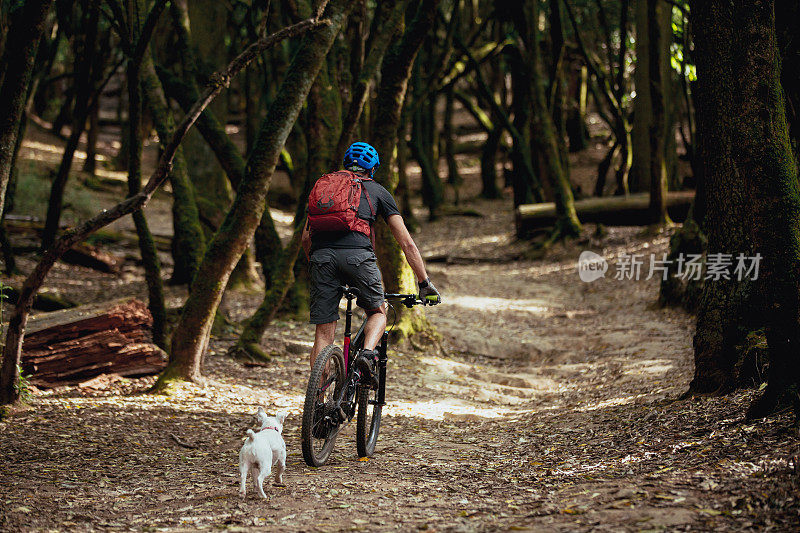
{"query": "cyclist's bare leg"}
pixel 323 336
pixel 376 324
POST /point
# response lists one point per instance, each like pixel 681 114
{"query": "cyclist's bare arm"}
pixel 305 240
pixel 407 244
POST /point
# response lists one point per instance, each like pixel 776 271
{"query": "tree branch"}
pixel 16 327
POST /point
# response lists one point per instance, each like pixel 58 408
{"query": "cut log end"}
pixel 73 345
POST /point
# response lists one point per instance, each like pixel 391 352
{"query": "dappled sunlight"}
pixel 624 400
pixel 52 154
pixel 489 303
pixel 650 366
pixel 439 246
pixel 474 387
pixel 220 396
pixel 444 409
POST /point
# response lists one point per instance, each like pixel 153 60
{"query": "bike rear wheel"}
pixel 368 422
pixel 324 387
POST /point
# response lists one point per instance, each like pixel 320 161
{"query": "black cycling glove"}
pixel 428 292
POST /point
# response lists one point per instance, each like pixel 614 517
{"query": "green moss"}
pixel 249 351
pixel 167 381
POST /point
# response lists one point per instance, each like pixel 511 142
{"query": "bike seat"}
pixel 350 292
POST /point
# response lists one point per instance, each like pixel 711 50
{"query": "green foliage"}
pixel 23 386
pixel 33 192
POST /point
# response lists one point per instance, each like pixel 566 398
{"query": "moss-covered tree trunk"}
pixel 15 331
pixel 395 73
pixel 202 44
pixel 658 117
pixel 489 188
pixel 207 42
pixel 421 149
pixel 386 28
pixel 147 246
pixel 322 129
pixel 226 152
pixel 641 174
pixel 84 52
pixel 19 54
pixel 753 201
pixel 191 335
pixel 577 131
pixel 454 179
pixel 545 135
pixel 521 154
pixel 188 241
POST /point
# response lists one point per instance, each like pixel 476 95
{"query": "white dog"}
pixel 263 449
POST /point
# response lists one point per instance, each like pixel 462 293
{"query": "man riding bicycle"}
pixel 338 242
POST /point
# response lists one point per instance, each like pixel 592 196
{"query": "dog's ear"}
pixel 281 417
pixel 260 411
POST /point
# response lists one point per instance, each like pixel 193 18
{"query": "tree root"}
pixel 249 351
pixel 772 401
pixel 170 378
pixel 562 231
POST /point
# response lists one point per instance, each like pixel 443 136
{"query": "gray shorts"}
pixel 330 268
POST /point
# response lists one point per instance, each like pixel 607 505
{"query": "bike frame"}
pixel 353 343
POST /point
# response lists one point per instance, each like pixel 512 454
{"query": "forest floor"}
pixel 552 407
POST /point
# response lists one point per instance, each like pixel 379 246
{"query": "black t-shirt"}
pixel 382 202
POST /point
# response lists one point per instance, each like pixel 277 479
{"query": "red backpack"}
pixel 333 203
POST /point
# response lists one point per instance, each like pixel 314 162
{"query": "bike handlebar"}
pixel 410 300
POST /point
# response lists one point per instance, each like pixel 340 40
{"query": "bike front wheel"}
pixel 324 388
pixel 368 423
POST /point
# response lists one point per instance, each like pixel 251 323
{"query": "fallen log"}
pixel 44 301
pixel 89 256
pixel 73 345
pixel 631 210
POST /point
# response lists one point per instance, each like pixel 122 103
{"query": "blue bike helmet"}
pixel 362 155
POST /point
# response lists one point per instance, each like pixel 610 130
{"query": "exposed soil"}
pixel 552 407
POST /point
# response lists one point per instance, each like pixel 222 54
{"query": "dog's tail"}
pixel 250 434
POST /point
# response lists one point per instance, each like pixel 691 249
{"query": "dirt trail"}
pixel 552 409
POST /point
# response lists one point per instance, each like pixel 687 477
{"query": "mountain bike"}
pixel 336 391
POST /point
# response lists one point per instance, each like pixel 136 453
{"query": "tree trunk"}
pixel 545 135
pixel 191 335
pixel 454 179
pixel 395 73
pixel 432 193
pixel 643 116
pixel 753 204
pixel 188 242
pixel 577 132
pixel 147 248
pixel 378 46
pixel 90 164
pixel 83 89
pixel 207 42
pixel 19 55
pixel 489 188
pixel 15 331
pixel 658 125
pixel 521 155
pixel 248 344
